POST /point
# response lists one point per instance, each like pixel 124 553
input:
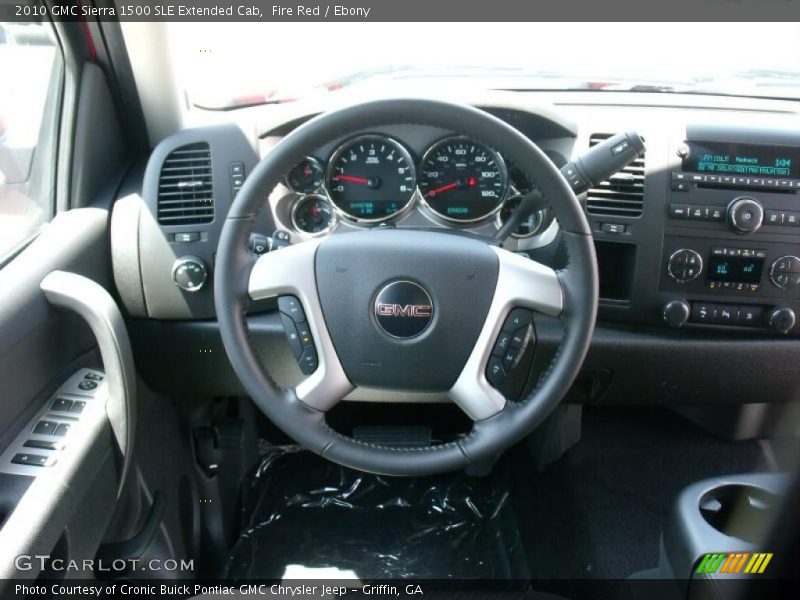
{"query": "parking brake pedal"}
pixel 399 436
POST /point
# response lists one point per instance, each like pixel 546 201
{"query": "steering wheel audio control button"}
pixel 309 361
pixel 290 306
pixel 305 334
pixel 292 336
pixel 298 334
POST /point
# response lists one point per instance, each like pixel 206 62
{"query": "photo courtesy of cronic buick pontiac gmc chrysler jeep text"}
pixel 309 306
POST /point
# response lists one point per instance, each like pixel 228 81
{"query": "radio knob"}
pixel 676 312
pixel 745 214
pixel 684 265
pixel 189 273
pixel 781 319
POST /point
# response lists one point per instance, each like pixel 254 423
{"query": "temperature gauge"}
pixel 529 225
pixel 306 176
pixel 313 214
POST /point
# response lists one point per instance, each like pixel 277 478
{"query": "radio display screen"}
pixel 753 160
pixel 738 269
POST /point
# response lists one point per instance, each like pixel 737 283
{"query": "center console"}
pixel 731 244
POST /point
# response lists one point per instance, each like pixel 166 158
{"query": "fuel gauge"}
pixel 306 176
pixel 313 214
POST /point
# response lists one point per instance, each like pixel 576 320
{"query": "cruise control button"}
pixel 502 343
pixel 511 358
pixel 289 305
pixel 517 318
pixel 309 361
pixel 520 337
pixel 495 374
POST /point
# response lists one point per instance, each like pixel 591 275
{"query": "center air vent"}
pixel 185 188
pixel 623 194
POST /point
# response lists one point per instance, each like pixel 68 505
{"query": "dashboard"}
pixel 697 242
pixel 409 176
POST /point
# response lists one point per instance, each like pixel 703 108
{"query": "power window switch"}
pixel 62 429
pixel 43 445
pixel 77 407
pixel 61 405
pixel 45 428
pixel 32 460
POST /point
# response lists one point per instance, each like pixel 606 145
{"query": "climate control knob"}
pixel 189 273
pixel 676 312
pixel 684 265
pixel 745 214
pixel 781 319
pixel 785 272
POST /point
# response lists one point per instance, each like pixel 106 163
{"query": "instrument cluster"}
pixel 373 179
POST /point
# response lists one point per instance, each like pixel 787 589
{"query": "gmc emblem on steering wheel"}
pixel 403 309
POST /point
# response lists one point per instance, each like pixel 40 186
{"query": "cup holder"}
pixel 739 510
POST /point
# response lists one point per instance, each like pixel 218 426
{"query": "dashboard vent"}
pixel 185 188
pixel 622 195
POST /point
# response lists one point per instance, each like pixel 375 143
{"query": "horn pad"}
pixel 404 308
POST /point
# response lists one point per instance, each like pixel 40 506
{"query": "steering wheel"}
pixel 405 309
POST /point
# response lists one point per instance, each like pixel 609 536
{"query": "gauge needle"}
pixel 471 182
pixel 444 188
pixel 361 180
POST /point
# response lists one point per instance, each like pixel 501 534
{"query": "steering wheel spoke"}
pixel 521 283
pixel 290 272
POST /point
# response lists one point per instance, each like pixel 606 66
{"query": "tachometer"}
pixel 371 178
pixel 306 176
pixel 462 180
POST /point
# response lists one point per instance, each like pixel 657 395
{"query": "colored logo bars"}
pixel 736 562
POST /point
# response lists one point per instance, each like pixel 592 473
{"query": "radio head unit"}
pixel 739 159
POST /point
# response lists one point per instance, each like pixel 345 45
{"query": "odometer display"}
pixel 371 178
pixel 462 180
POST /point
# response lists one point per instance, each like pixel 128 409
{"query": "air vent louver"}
pixel 185 188
pixel 623 194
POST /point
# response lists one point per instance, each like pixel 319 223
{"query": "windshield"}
pixel 253 63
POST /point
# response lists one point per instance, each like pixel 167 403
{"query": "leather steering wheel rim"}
pixel 304 423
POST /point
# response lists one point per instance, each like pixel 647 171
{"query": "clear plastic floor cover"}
pixel 301 513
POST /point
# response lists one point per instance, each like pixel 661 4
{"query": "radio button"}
pixel 791 218
pixel 773 217
pixel 679 211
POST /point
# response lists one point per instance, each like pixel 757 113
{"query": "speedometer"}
pixel 371 178
pixel 462 180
